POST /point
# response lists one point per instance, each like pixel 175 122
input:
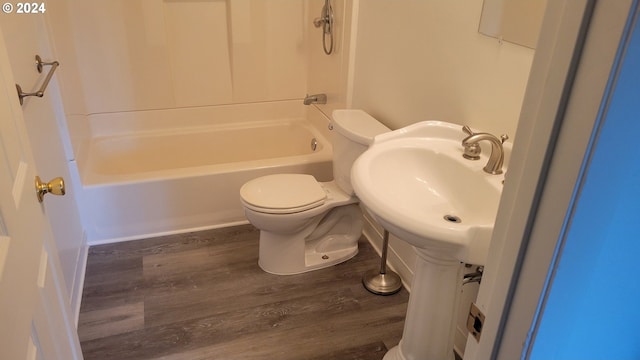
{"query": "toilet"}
pixel 304 224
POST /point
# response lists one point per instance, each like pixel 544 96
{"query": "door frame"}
pixel 570 77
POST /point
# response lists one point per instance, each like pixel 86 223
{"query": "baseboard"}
pixel 78 281
pixel 165 233
pixel 394 261
pixel 456 349
pixel 457 355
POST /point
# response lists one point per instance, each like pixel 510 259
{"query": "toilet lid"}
pixel 283 193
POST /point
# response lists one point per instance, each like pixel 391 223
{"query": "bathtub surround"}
pixel 134 55
pixel 329 74
pixel 168 54
pixel 132 68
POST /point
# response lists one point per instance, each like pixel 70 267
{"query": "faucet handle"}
pixel 467 130
pixel 471 150
pixel 503 138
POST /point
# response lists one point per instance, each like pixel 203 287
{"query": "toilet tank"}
pixel 353 132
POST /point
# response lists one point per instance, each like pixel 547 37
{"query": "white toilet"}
pixel 306 225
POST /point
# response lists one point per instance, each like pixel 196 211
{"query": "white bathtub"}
pixel 167 171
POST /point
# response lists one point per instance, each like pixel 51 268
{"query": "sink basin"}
pixel 416 184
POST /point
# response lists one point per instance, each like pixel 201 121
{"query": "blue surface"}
pixel 593 311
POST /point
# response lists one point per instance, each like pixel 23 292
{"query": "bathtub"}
pixel 160 172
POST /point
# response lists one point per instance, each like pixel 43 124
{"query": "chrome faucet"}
pixel 316 98
pixel 472 149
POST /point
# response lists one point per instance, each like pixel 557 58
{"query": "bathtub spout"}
pixel 317 98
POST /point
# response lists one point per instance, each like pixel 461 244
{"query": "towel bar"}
pixel 39 66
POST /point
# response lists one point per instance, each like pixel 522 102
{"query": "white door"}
pixel 35 318
pixel 571 77
pixel 25 36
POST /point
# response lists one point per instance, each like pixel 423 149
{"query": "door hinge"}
pixel 475 321
pixel 3 227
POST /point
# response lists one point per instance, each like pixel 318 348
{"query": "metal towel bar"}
pixel 39 66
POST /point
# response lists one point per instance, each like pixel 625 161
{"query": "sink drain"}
pixel 452 218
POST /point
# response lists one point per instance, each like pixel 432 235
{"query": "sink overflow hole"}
pixel 452 218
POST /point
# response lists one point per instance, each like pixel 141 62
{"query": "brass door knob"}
pixel 55 186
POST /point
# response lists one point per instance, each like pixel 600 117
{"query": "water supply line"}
pixel 326 21
pixel 474 276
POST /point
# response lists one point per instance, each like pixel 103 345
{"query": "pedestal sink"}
pixel 417 185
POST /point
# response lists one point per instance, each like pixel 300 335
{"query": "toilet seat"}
pixel 283 193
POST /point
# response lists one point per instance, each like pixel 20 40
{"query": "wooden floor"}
pixel 202 296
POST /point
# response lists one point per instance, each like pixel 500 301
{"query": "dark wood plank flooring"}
pixel 202 295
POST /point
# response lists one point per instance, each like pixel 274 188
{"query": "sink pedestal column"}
pixel 430 321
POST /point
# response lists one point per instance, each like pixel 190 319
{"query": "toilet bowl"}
pixel 304 224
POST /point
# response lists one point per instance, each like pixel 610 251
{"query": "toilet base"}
pixel 316 259
pixel 328 241
pixel 394 354
pixel 313 259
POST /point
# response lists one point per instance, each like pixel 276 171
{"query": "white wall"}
pixel 425 60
